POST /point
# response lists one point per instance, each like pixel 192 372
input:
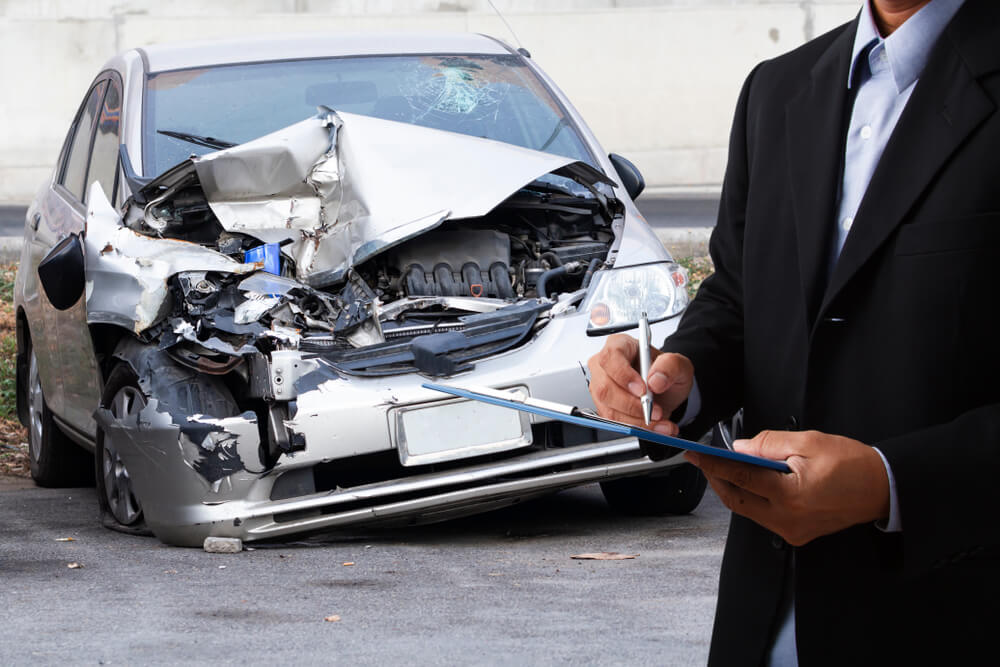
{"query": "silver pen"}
pixel 644 336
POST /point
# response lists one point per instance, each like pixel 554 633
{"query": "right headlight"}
pixel 619 296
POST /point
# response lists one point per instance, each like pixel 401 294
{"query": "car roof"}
pixel 165 57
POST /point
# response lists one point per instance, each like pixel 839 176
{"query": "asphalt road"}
pixel 12 220
pixel 497 589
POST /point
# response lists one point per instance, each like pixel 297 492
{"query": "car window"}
pixel 104 157
pixel 493 96
pixel 74 174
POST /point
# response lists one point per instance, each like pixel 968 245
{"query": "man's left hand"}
pixel 835 483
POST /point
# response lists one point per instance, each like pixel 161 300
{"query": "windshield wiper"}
pixel 207 142
pixel 555 133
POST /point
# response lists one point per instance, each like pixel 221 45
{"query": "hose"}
pixel 589 275
pixel 545 277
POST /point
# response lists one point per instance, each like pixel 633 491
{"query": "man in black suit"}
pixel 853 316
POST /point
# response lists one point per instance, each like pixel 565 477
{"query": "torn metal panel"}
pixel 219 448
pixel 207 461
pixel 127 272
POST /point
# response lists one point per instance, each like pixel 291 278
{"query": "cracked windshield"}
pixel 492 96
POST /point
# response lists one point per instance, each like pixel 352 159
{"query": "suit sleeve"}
pixel 946 479
pixel 711 330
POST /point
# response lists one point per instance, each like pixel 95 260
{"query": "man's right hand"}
pixel 616 385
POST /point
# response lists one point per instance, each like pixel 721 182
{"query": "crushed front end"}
pixel 286 298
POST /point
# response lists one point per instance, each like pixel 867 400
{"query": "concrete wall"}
pixel 656 79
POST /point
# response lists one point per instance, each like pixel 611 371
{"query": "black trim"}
pixel 103 77
pixel 81 438
pixel 115 77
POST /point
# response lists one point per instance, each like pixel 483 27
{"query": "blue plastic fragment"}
pixel 269 254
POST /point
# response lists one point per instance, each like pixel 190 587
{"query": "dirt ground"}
pixel 13 436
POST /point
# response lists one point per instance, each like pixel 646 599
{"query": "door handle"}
pixel 35 220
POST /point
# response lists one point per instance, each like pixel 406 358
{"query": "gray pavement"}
pixel 496 589
pixel 12 220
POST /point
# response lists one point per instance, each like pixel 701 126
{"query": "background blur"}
pixel 656 79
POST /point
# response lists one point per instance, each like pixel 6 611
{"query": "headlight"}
pixel 618 296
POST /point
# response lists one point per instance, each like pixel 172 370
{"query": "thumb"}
pixel 775 445
pixel 670 379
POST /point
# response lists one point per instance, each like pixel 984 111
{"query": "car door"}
pixel 82 388
pixel 57 213
pixel 92 158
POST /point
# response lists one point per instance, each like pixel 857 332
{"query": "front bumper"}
pixel 344 419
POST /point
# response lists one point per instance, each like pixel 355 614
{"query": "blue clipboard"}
pixel 572 415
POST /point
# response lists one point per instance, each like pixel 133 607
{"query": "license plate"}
pixel 457 430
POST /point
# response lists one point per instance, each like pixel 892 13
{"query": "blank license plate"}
pixel 457 430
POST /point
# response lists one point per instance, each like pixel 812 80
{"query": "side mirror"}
pixel 632 180
pixel 61 273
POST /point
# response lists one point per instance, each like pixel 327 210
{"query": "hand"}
pixel 835 483
pixel 617 386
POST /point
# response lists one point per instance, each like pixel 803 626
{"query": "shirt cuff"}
pixel 895 523
pixel 693 405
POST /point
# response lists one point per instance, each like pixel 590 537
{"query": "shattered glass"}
pixel 491 96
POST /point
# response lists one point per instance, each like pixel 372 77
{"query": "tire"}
pixel 120 510
pixel 54 459
pixel 677 492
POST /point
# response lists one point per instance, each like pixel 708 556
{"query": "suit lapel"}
pixel 947 105
pixel 815 125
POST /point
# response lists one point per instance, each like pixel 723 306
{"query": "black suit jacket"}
pixel 899 348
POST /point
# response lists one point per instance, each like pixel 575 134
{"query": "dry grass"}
pixel 698 269
pixel 13 436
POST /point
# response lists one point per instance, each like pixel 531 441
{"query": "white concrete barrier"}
pixel 656 79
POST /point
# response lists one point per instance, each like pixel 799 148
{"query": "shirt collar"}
pixel 908 47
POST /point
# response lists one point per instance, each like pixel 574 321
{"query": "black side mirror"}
pixel 61 272
pixel 632 180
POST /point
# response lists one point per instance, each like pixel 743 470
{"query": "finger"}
pixel 613 401
pixel 665 427
pixel 614 383
pixel 759 481
pixel 740 500
pixel 618 359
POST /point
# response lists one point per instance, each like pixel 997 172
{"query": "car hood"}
pixel 338 188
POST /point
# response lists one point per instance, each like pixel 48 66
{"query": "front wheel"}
pixel 120 509
pixel 677 492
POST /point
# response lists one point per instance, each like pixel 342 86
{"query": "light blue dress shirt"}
pixel 882 76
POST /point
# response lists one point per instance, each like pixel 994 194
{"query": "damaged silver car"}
pixel 252 254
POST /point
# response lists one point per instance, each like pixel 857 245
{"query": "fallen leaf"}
pixel 349 563
pixel 170 572
pixel 605 555
pixel 333 618
pixel 65 539
pixel 74 566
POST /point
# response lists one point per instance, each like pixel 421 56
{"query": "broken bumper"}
pixel 348 418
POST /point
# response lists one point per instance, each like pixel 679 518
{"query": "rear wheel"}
pixel 55 460
pixel 677 492
pixel 120 509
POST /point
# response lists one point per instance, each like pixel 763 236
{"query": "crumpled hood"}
pixel 343 187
